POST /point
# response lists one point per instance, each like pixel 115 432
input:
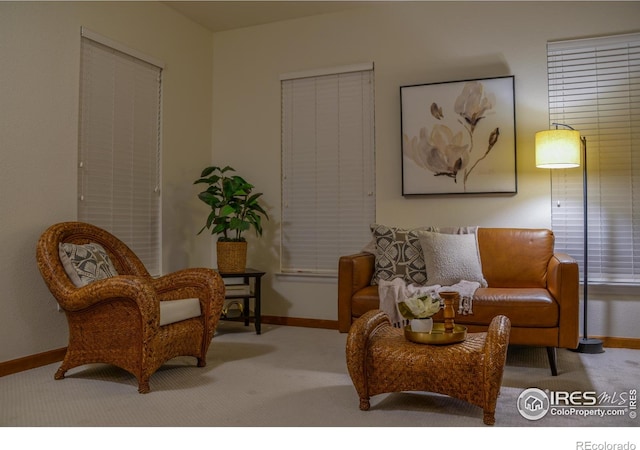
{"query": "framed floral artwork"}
pixel 458 137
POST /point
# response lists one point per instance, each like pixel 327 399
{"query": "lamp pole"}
pixel 586 344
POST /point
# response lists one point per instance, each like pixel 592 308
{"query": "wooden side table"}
pixel 253 291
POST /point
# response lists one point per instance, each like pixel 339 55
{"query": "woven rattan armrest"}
pixel 202 283
pixel 136 288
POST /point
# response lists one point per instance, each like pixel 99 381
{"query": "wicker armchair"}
pixel 116 320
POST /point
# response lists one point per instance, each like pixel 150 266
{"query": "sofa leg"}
pixel 553 360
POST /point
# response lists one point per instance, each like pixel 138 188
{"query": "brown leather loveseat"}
pixel 535 288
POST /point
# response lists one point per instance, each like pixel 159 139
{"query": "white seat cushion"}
pixel 176 310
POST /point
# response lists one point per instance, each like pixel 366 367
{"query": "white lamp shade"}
pixel 558 149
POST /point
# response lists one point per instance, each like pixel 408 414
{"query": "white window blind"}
pixel 328 194
pixel 594 87
pixel 119 148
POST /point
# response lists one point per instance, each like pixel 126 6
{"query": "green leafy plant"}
pixel 234 205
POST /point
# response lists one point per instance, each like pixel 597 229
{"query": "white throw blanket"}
pixel 396 290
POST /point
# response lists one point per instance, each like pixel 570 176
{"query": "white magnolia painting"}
pixel 459 137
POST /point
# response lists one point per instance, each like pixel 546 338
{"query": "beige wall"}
pixel 410 43
pixel 230 83
pixel 39 76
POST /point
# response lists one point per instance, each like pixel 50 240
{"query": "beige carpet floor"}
pixel 296 377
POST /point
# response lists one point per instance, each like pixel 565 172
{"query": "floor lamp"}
pixel 561 149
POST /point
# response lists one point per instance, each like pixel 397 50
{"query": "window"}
pixel 328 198
pixel 119 145
pixel 594 86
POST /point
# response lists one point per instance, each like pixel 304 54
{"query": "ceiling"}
pixel 227 15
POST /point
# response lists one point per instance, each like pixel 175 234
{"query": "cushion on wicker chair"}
pixel 86 263
pixel 176 310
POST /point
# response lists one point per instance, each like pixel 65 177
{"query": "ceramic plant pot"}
pixel 422 325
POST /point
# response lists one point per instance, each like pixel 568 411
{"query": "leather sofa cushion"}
pixel 515 258
pixel 525 307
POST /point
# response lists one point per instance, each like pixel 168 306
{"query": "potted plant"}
pixel 419 310
pixel 234 210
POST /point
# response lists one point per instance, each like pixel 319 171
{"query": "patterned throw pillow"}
pixel 86 263
pixel 398 255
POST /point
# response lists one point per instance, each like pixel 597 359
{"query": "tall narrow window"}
pixel 594 86
pixel 328 198
pixel 119 146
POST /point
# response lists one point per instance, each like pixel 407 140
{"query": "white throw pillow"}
pixel 451 258
pixel 86 263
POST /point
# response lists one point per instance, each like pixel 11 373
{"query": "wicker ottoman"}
pixel 380 360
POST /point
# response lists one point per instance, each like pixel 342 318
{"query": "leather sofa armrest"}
pixel 563 283
pixel 354 273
